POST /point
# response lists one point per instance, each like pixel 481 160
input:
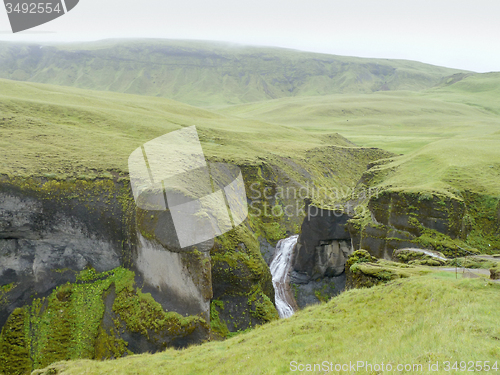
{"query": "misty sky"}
pixel 454 33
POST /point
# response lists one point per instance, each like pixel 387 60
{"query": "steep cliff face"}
pixel 445 223
pixel 324 239
pixel 78 245
pixel 442 197
pixel 396 220
pixel 48 231
pixel 82 282
pixel 320 255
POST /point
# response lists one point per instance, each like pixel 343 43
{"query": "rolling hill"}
pixel 399 121
pixel 70 115
pixel 63 132
pixel 209 73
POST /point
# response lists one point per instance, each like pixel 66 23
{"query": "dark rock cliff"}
pixel 93 276
pixel 399 219
pixel 77 273
pixel 320 255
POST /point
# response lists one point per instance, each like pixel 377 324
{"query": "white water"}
pixel 279 270
pixel 426 252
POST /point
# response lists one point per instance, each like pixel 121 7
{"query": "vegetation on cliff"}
pixel 436 187
pixel 53 136
pixel 417 320
pixel 90 318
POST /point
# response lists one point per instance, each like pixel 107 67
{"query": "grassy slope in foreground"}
pixel 420 320
pixel 205 73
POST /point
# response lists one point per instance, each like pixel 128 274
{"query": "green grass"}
pixel 399 121
pixel 447 166
pixel 448 135
pixel 419 320
pixel 66 131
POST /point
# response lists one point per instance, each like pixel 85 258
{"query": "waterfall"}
pixel 279 270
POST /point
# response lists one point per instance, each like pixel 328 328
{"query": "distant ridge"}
pixel 210 73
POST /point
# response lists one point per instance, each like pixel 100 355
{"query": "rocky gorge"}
pixel 87 273
pixel 84 269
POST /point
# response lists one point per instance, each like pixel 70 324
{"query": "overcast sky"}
pixel 454 33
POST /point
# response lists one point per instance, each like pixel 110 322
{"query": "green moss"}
pixel 432 239
pixel 324 293
pixel 471 262
pixel 416 257
pixel 495 272
pixel 4 290
pixel 261 307
pixel 110 345
pixel 14 349
pixel 240 251
pixel 65 325
pixel 217 326
pixel 359 256
pixel 68 324
pixel 363 270
pixel 142 314
pixel 482 222
pixel 237 264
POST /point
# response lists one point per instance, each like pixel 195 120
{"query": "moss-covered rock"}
pixel 363 270
pixel 418 256
pixel 495 272
pixel 359 256
pixel 398 219
pixel 241 281
pixel 52 229
pixel 470 262
pixel 100 316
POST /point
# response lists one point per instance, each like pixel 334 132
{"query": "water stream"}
pixel 279 270
pixel 426 252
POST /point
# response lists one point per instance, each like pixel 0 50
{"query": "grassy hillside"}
pixel 66 131
pixel 449 135
pixel 447 138
pixel 400 121
pixel 447 166
pixel 205 73
pixel 421 320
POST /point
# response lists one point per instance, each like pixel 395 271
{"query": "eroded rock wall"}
pixel 77 272
pixel 320 256
pixel 400 219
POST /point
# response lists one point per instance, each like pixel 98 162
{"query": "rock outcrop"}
pixel 323 245
pixel 75 269
pixel 320 255
pixel 364 270
pixel 399 219
pixel 45 238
